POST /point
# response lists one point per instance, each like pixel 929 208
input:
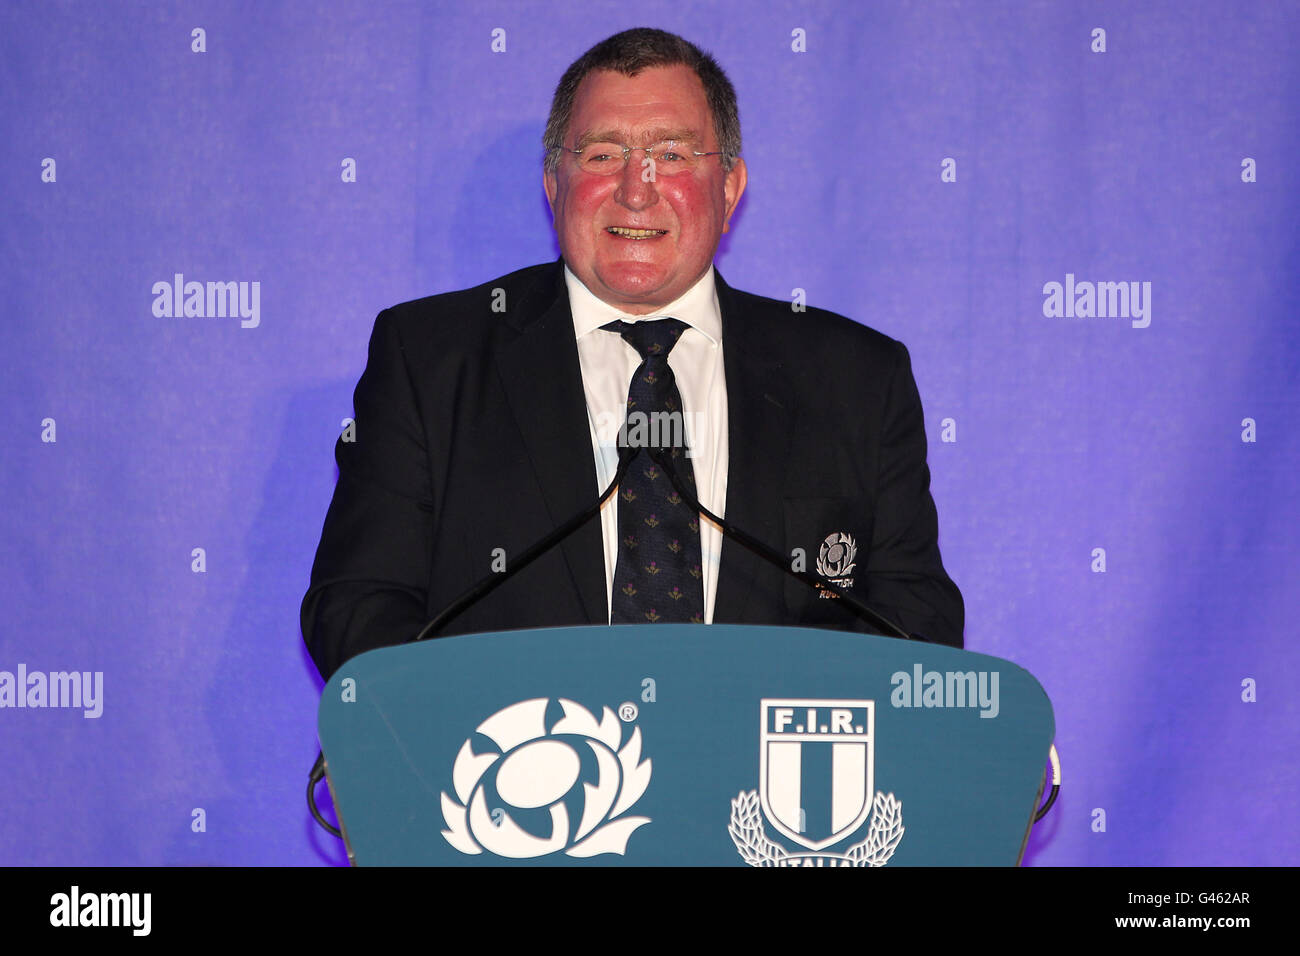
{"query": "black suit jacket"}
pixel 472 435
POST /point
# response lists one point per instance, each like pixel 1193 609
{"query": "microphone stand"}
pixel 661 456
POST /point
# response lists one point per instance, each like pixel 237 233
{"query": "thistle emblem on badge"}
pixel 835 560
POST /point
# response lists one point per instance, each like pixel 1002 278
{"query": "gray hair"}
pixel 629 53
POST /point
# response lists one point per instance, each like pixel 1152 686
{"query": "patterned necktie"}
pixel 658 573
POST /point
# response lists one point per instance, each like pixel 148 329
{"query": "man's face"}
pixel 639 276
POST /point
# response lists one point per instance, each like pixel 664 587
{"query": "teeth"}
pixel 635 233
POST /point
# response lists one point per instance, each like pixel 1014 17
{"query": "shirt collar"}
pixel 697 307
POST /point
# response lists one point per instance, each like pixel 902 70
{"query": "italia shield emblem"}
pixel 817 767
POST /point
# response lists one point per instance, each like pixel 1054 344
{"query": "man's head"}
pixel 637 88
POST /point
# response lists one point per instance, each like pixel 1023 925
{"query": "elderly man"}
pixel 482 418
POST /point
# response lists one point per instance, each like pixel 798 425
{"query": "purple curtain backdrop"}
pixel 1167 159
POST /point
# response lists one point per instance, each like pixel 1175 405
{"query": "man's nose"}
pixel 636 189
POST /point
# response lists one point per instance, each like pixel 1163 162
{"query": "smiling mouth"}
pixel 625 233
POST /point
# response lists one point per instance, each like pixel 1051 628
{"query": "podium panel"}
pixel 680 744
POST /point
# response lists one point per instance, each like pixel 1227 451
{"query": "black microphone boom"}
pixel 661 456
pixel 530 554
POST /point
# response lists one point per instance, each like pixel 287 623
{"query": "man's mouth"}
pixel 626 233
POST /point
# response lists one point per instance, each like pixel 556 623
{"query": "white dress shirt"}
pixel 608 362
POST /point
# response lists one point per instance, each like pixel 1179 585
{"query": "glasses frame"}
pixel 627 150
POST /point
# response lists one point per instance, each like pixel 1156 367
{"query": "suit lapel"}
pixel 543 383
pixel 758 437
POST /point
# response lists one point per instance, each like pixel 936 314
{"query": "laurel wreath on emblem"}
pixel 884 832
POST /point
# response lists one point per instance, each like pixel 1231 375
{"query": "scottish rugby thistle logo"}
pixel 835 560
pixel 509 797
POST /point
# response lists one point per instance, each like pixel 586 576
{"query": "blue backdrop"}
pixel 1112 490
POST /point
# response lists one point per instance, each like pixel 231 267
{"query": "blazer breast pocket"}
pixel 832 535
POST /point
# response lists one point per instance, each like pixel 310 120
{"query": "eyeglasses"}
pixel 666 158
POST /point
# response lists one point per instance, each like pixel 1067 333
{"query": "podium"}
pixel 681 744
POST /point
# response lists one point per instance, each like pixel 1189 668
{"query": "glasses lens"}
pixel 603 159
pixel 672 158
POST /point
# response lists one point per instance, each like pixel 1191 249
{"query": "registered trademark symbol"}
pixel 627 712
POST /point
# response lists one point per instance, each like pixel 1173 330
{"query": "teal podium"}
pixel 680 744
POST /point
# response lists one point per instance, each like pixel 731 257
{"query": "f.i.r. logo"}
pixel 817 767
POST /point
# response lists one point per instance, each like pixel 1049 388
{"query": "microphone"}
pixel 661 456
pixel 660 453
pixel 493 581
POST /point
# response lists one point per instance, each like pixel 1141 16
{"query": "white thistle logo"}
pixel 835 559
pixel 536 769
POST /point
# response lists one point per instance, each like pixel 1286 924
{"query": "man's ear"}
pixel 733 188
pixel 550 185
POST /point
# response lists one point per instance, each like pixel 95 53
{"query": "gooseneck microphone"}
pixel 662 457
pixel 530 554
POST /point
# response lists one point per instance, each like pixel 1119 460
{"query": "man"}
pixel 483 416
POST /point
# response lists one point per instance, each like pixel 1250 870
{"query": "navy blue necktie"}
pixel 658 573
